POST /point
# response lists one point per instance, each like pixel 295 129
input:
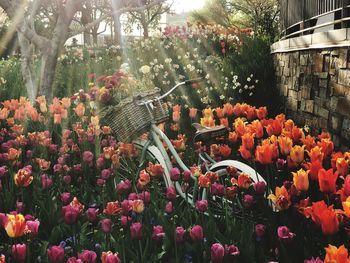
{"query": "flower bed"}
pixel 70 192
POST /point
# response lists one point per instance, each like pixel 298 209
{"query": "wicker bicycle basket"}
pixel 128 120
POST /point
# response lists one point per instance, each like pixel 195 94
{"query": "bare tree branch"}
pixel 121 11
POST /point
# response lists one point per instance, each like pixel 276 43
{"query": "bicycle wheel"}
pixel 232 203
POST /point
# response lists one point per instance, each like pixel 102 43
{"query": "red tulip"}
pixel 327 181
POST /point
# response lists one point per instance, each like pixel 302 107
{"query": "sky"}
pixel 187 5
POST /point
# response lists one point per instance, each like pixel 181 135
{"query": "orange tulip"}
pixel 346 206
pixel 4 113
pixel 313 169
pixel 297 134
pixel 144 178
pixel 297 154
pixel 15 225
pixel 138 206
pixel 80 109
pixel 257 128
pixel 342 166
pixel 327 181
pixel 208 121
pixel 13 154
pixel 251 113
pixel 274 128
pixel 224 122
pixel 176 116
pixel 245 153
pixel 225 150
pixel 155 169
pixel 265 153
pixel 23 177
pixel 261 112
pixel 43 164
pixel 301 180
pixel 334 159
pixel 239 126
pixel 208 112
pixel 232 137
pixel 336 255
pixel 248 141
pixel 112 208
pixel 204 181
pixel 281 198
pixel 228 109
pixel 329 221
pixel 220 113
pixel 244 181
pixel 327 146
pixel 316 154
pixel 309 142
pixel 285 144
pixel 192 113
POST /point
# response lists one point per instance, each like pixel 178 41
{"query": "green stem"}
pixel 140 247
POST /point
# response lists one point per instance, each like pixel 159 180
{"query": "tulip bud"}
pixel 196 233
pixel 91 214
pixel 136 231
pixel 248 201
pixel 180 232
pixel 171 193
pixel 202 205
pixel 65 197
pixel 175 174
pixel 260 187
pixel 158 233
pixel 55 254
pixel 19 252
pixel 106 225
pixel 169 207
pixel 217 253
pixel 260 230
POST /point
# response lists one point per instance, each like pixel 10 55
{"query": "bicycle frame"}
pixel 156 138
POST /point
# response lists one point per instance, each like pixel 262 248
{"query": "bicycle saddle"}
pixel 207 134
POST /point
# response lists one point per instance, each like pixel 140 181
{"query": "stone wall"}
pixel 315 86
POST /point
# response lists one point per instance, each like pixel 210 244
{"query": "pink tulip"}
pixel 19 252
pixel 171 193
pixel 106 225
pixel 196 233
pixel 175 174
pixel 180 232
pixel 169 207
pixel 88 156
pixel 55 254
pixel 91 214
pixel 217 253
pixel 202 205
pixel 136 231
pixel 33 226
pixel 158 233
pixel 87 256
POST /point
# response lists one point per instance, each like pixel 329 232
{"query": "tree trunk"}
pixel 87 38
pixel 145 31
pixel 27 67
pixel 116 4
pixel 48 72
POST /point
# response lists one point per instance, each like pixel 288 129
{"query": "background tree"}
pixel 146 18
pixel 49 42
pixel 261 15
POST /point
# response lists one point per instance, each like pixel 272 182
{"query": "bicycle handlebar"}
pixel 190 81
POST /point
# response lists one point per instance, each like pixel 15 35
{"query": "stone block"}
pixel 322 123
pixel 343 106
pixel 340 90
pixel 344 77
pixel 321 112
pixel 336 123
pixel 292 104
pixel 346 124
pixel 323 83
pixel 336 140
pixel 305 92
pixel 322 92
pixel 317 63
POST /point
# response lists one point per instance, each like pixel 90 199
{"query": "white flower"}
pixel 249 79
pixel 222 97
pixel 145 69
pixel 256 81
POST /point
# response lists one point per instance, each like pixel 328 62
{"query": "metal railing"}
pixel 302 17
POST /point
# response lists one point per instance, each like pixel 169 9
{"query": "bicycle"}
pixel 153 148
